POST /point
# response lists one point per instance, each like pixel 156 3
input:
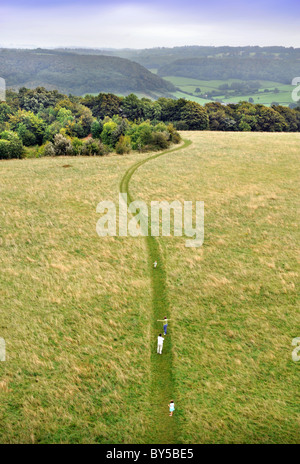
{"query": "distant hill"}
pixel 272 69
pixel 277 64
pixel 78 74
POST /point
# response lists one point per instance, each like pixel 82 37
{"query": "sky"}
pixel 147 24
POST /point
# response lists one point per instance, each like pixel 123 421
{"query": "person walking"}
pixel 155 264
pixel 165 323
pixel 160 342
pixel 171 407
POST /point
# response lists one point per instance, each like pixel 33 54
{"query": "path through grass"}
pixel 163 428
pixel 234 300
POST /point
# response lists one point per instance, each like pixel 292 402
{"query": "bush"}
pixel 145 134
pixel 160 140
pixel 92 147
pixel 62 146
pixel 77 146
pixel 174 136
pixel 123 146
pixel 147 137
pixel 10 146
pixel 4 149
pixel 48 149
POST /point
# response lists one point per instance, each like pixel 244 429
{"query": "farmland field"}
pixel 77 310
pixel 184 84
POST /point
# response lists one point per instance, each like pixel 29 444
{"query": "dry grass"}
pixel 76 329
pixel 75 309
pixel 234 301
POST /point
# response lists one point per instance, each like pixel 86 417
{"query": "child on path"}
pixel 165 322
pixel 171 407
pixel 160 342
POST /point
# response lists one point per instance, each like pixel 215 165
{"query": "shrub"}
pixel 77 146
pixel 10 146
pixel 174 136
pixel 140 135
pixel 92 147
pixel 4 149
pixel 145 136
pixel 62 146
pixel 160 140
pixel 123 146
pixel 48 149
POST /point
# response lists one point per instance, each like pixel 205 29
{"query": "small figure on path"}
pixel 160 342
pixel 165 321
pixel 155 264
pixel 171 407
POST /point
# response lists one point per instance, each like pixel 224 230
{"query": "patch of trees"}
pixel 245 116
pixel 183 113
pixel 114 134
pixel 241 88
pixel 61 124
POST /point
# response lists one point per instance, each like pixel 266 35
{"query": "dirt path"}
pixel 164 429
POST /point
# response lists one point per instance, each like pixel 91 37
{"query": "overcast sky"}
pixel 150 23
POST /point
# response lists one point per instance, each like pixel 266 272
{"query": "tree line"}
pixel 59 124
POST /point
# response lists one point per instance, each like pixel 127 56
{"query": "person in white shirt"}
pixel 155 264
pixel 160 342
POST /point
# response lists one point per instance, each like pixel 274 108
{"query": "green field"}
pixel 264 98
pixel 79 312
pixel 186 89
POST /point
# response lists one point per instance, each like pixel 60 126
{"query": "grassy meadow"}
pixel 233 301
pixel 76 309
